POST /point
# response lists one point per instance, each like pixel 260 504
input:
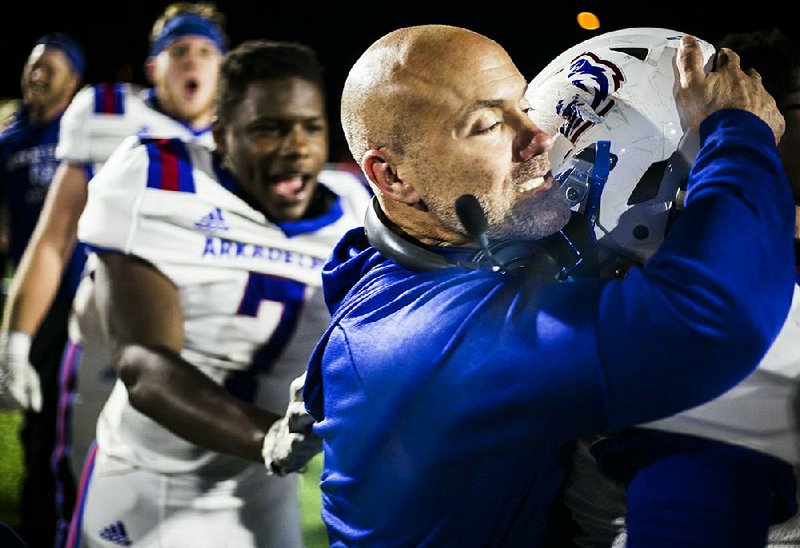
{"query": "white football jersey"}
pixel 250 290
pixel 97 121
pixel 101 116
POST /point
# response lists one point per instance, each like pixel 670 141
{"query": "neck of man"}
pixel 40 115
pixel 417 222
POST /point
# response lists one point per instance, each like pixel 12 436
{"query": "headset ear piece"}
pixel 394 246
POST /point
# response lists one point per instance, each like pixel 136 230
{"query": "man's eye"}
pixel 489 128
pixel 264 131
pixel 315 128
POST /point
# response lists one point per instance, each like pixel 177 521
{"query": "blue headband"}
pixel 70 47
pixel 187 24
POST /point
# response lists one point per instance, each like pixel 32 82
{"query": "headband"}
pixel 70 47
pixel 187 24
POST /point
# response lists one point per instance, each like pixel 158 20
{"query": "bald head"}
pixel 400 77
pixel 434 112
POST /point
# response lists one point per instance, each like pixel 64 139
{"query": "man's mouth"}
pixel 544 181
pixel 191 86
pixel 289 187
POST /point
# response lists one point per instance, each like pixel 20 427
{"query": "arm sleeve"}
pixel 108 221
pixel 74 133
pixel 699 316
pixel 97 120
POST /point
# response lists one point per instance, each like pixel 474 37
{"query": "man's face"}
pixel 185 76
pixel 47 77
pixel 276 143
pixel 473 135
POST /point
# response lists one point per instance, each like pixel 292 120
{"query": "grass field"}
pixel 313 529
pixel 10 467
pixel 11 476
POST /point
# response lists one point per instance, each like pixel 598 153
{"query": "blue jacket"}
pixel 446 399
pixel 27 165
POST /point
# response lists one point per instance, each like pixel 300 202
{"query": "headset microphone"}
pixel 472 217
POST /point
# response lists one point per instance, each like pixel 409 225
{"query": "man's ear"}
pixel 75 85
pixel 218 132
pixel 149 69
pixel 382 173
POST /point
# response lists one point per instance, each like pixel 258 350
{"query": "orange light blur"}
pixel 589 21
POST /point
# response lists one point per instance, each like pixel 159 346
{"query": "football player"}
pixel 208 285
pixel 187 42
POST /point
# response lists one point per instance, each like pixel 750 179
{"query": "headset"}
pixel 555 258
pixel 568 253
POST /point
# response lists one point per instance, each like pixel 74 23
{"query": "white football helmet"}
pixel 618 87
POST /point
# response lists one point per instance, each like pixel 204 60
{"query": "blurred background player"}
pixel 187 42
pixel 208 284
pixel 29 365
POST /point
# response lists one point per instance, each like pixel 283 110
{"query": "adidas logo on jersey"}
pixel 116 533
pixel 212 221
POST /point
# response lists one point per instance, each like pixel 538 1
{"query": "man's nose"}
pixel 37 74
pixel 531 141
pixel 296 141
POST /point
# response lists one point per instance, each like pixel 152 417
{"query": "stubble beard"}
pixel 534 218
pixel 512 216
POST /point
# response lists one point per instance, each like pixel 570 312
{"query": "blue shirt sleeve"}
pixel 715 295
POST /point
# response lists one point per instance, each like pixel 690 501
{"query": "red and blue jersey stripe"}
pixel 108 99
pixel 74 536
pixel 170 167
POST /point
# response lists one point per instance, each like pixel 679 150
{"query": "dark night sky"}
pixel 114 33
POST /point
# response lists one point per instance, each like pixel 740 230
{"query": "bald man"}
pixel 455 374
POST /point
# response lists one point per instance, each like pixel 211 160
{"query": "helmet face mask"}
pixel 618 87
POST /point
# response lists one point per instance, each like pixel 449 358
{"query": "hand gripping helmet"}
pixel 610 101
pixel 617 89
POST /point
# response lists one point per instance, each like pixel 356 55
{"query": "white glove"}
pixel 290 442
pixel 19 382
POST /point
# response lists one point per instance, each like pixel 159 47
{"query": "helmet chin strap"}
pixel 611 263
pixel 602 167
